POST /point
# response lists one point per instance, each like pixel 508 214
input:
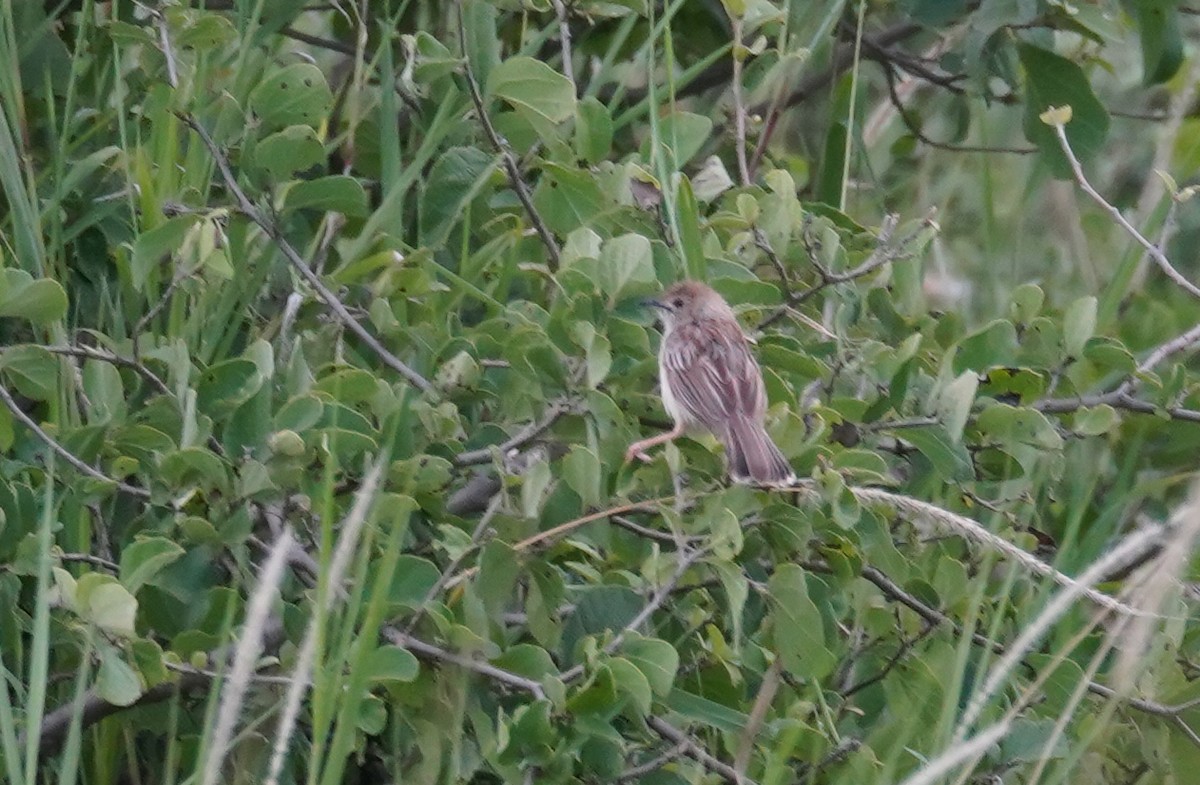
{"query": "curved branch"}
pixel 511 167
pixel 63 452
pixel 247 208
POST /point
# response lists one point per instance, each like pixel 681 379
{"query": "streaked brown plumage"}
pixel 710 380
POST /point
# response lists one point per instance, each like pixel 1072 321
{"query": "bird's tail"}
pixel 753 457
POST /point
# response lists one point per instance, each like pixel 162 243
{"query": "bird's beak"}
pixel 652 303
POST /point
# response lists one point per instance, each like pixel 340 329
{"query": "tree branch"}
pixel 246 207
pixel 511 167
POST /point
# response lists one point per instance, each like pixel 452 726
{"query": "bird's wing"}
pixel 711 372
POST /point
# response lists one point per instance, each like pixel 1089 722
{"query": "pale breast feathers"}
pixel 712 373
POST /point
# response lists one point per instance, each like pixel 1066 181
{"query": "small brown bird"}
pixel 710 379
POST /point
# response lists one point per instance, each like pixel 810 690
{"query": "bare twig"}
pixel 654 764
pixel 93 708
pixel 739 53
pixel 685 561
pixel 87 558
pixel 915 129
pixel 887 249
pixel 803 89
pixel 429 651
pixel 569 526
pixel 298 264
pixel 321 43
pixel 511 166
pixel 452 569
pixel 564 37
pixel 1121 397
pixel 695 751
pixel 1152 249
pixel 90 353
pixel 555 410
pixel 63 452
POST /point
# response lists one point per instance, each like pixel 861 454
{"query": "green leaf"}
pixel 117 682
pixel 455 179
pixel 1079 325
pixel 105 392
pixel 534 483
pixel 994 344
pixel 295 95
pixel 413 579
pixel 1007 424
pixel 41 301
pixel 1027 300
pixel 110 607
pixel 626 267
pixel 797 626
pixel 390 664
pixel 583 474
pixel 568 198
pixel 530 85
pixel 656 659
pixel 694 261
pixel 598 353
pixel 294 149
pixel 498 570
pixel 683 134
pixel 954 404
pixel 33 371
pixel 226 385
pixel 150 247
pixel 1095 420
pixel 1161 38
pixel 336 193
pixel 631 681
pixel 948 456
pixel 706 711
pixel 144 559
pixel 1053 81
pixel 593 131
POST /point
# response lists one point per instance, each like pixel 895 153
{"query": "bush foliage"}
pixel 323 343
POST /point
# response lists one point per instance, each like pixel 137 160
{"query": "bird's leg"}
pixel 638 449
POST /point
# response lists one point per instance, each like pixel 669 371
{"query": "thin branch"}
pixel 685 561
pixel 887 249
pixel 738 53
pixel 93 708
pixel 485 521
pixel 63 452
pixel 90 353
pixel 317 41
pixel 275 233
pixel 498 143
pixel 915 129
pixel 693 750
pixel 569 526
pixel 803 89
pixel 654 764
pixel 1152 249
pixel 87 558
pixel 484 454
pixel 564 37
pixel 430 652
pixel 650 534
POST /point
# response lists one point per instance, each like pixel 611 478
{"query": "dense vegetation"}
pixel 323 344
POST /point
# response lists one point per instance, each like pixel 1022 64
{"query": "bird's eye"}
pixel 677 302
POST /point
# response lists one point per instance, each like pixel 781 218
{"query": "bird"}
pixel 710 380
